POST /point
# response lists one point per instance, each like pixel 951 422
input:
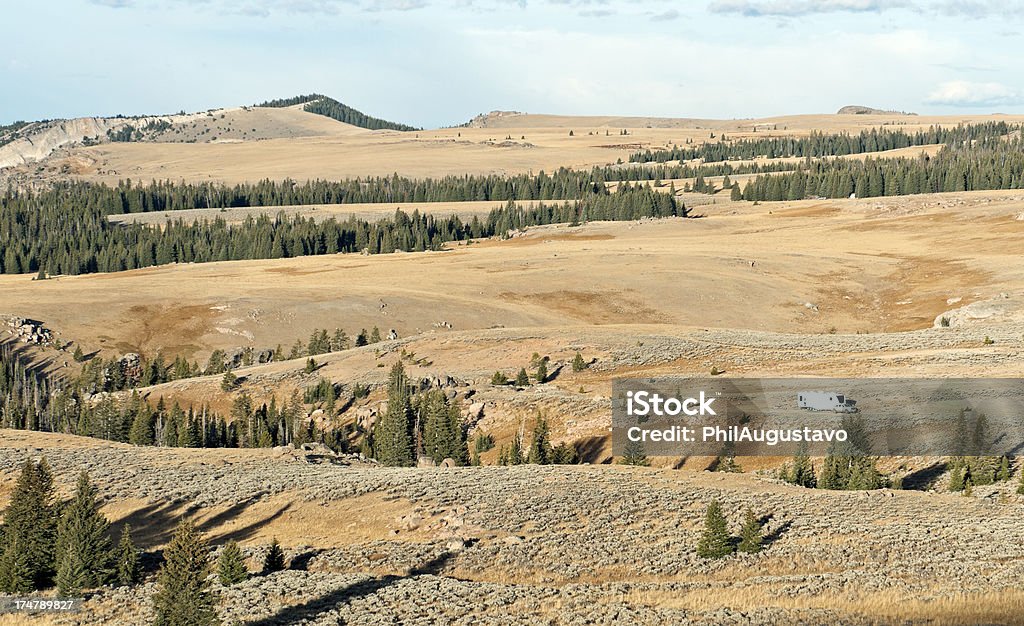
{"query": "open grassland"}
pixel 848 266
pixel 247 145
pixel 560 545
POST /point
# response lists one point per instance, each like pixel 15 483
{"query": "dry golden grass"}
pixel 1002 607
pixel 869 265
pixel 304 146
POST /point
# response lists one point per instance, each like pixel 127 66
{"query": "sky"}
pixel 437 63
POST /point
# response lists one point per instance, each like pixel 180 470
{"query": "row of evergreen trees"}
pixel 66 231
pixel 329 107
pixel 996 164
pixel 44 542
pixel 820 144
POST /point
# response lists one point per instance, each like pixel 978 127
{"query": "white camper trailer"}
pixel 825 401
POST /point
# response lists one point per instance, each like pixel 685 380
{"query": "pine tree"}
pixel 540 446
pixel 228 382
pixel 392 433
pixel 142 432
pixel 362 338
pixel 443 434
pixel 29 528
pixel 522 378
pixel 541 376
pixel 274 561
pixel 515 452
pixel 15 570
pixel 499 379
pixel 715 541
pixel 957 470
pixel 129 571
pixel 751 537
pixel 802 472
pixel 183 596
pixel 231 567
pixel 375 335
pixel 633 454
pixel 578 364
pixel 78 356
pixel 83 548
pixel 1004 469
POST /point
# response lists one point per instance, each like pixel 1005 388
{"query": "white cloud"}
pixel 962 93
pixel 797 8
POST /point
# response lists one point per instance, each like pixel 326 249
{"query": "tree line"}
pixel 994 163
pixel 329 107
pixel 820 144
pixel 65 230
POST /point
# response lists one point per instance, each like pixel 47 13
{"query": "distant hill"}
pixel 856 109
pixel 329 107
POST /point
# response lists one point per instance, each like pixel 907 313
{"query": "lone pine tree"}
pixel 715 541
pixel 183 596
pixel 274 561
pixel 231 567
pixel 633 454
pixel 83 548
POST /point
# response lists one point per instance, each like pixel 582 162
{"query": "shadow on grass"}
pixel 305 612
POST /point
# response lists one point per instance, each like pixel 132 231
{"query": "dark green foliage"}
pixel 29 529
pixel 37 229
pixel 565 454
pixel 329 107
pixel 727 463
pixel 820 144
pixel 443 434
pixel 483 442
pixel 183 596
pixel 715 541
pixel 541 452
pixel 274 560
pixel 231 568
pixel 578 364
pixel 976 470
pixel 15 571
pixel 393 431
pixel 310 365
pixel 83 552
pixel 362 339
pixel 499 379
pixel 229 381
pixel 802 472
pixel 849 465
pixel 522 378
pixel 633 454
pixel 751 537
pixel 375 335
pixel 126 561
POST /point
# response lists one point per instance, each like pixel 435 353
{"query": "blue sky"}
pixel 439 62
